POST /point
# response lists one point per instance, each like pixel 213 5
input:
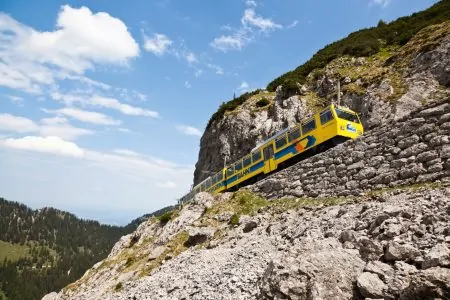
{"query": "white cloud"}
pixel 105 102
pixel 64 131
pixel 68 99
pixel 243 87
pixel 187 84
pixel 251 3
pixel 16 99
pixel 157 45
pixel 250 18
pixel 125 130
pixel 84 79
pixel 167 185
pixel 189 130
pixel 216 68
pixel 236 41
pixel 123 108
pixel 246 33
pixel 198 73
pixel 54 121
pixel 293 24
pixel 126 152
pixel 51 144
pixel 82 39
pixel 86 116
pixel 56 126
pixel 17 124
pixel 382 3
pixel 191 58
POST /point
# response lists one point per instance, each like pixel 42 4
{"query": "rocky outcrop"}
pixel 414 149
pixel 392 246
pixel 383 88
pixel 237 134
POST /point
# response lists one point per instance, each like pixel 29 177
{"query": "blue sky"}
pixel 103 103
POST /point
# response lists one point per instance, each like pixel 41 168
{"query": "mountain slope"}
pixel 49 248
pixel 367 219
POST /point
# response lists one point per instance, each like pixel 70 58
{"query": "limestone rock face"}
pixel 235 135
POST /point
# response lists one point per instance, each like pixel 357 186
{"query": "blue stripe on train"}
pixel 252 169
pixel 291 148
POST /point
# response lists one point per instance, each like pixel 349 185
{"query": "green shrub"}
pixel 231 105
pixel 118 287
pixel 263 102
pixel 166 217
pixel 234 219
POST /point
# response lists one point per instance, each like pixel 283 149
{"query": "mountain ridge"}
pixel 45 243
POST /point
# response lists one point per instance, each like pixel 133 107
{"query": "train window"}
pixel 219 177
pixel 347 116
pixel 308 126
pixel 281 142
pixel 230 171
pixel 326 117
pixel 238 166
pixel 294 134
pixel 256 156
pixel 247 161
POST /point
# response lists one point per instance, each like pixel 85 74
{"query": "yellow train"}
pixel 331 126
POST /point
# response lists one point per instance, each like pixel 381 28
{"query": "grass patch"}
pixel 285 204
pixel 174 248
pixel 242 202
pixel 314 102
pixel 411 187
pixel 13 251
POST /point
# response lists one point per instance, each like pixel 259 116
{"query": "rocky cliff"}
pixel 382 87
pixel 383 242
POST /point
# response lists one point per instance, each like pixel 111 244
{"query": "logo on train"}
pixel 242 174
pixel 351 128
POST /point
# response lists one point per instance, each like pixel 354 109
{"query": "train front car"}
pixel 348 122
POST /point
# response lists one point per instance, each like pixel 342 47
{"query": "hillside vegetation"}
pixel 49 248
pixel 363 43
pixel 367 42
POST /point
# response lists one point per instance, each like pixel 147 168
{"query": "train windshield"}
pixel 347 116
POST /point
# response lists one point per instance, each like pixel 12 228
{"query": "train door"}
pixel 269 163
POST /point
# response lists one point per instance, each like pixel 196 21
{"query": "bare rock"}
pixel 51 296
pixel 439 255
pixel 319 270
pixel 157 252
pixel 433 283
pixel 396 251
pixel 370 285
pixel 384 271
pixel 369 249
